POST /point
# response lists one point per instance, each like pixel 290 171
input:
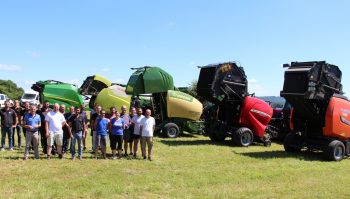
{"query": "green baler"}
pixel 173 110
pixel 58 92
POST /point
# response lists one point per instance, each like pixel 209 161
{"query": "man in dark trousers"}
pixel 42 112
pixel 18 109
pixel 8 122
pixel 66 129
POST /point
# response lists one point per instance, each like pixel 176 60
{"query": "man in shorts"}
pixel 136 123
pixel 54 121
pixel 127 133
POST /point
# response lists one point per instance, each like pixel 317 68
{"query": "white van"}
pixel 3 99
pixel 30 96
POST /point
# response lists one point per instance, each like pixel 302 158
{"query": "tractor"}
pixel 320 118
pixel 233 112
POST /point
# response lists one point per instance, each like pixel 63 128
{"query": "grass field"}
pixel 187 167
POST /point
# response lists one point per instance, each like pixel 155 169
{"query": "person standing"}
pixel 66 129
pixel 84 115
pixel 24 112
pixel 54 121
pixel 8 122
pixel 126 133
pixel 17 108
pixel 32 124
pixel 101 126
pixel 77 122
pixel 116 127
pixel 147 128
pixel 43 112
pixel 136 123
pixel 93 119
pixel 110 116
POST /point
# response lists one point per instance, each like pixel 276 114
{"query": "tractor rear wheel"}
pixel 335 151
pixel 292 143
pixel 243 137
pixel 171 130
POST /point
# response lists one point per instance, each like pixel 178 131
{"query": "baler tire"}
pixel 243 137
pixel 335 151
pixel 171 130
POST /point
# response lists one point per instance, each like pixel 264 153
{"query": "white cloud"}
pixel 255 87
pixel 105 69
pixel 10 68
pixel 74 81
pixel 33 53
pixel 192 63
pixel 120 81
pixel 29 82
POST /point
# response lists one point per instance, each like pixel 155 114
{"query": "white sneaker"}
pixel 11 149
pixel 2 149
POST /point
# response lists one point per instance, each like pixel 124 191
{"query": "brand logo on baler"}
pixel 260 113
pixel 182 96
pixel 225 68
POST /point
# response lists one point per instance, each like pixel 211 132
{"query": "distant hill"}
pixel 275 101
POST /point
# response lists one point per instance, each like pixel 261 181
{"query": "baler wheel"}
pixel 243 137
pixel 171 130
pixel 335 151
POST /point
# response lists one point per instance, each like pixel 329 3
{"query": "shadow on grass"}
pixel 304 155
pixel 174 142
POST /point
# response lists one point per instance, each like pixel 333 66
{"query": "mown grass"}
pixel 187 167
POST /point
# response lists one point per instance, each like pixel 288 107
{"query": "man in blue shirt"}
pixel 101 125
pixel 32 125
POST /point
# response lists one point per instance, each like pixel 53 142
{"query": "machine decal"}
pixel 344 120
pixel 181 96
pixel 260 113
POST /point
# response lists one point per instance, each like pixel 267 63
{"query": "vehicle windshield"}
pixel 2 97
pixel 29 96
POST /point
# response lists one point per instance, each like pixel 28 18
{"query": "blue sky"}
pixel 70 40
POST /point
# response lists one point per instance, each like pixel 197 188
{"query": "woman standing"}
pixel 116 127
pixel 101 125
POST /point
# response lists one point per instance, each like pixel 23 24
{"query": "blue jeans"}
pixel 77 136
pixel 9 132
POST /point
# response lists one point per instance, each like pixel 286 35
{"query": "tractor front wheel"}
pixel 243 137
pixel 335 151
pixel 171 130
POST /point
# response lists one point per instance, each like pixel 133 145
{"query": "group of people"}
pixel 60 131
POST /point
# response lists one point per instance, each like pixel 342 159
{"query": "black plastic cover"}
pixel 219 81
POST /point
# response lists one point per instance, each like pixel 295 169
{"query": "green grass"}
pixel 188 167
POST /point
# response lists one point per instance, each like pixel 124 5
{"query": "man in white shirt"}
pixel 147 127
pixel 54 121
pixel 136 123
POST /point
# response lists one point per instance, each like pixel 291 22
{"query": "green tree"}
pixel 192 88
pixel 10 89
